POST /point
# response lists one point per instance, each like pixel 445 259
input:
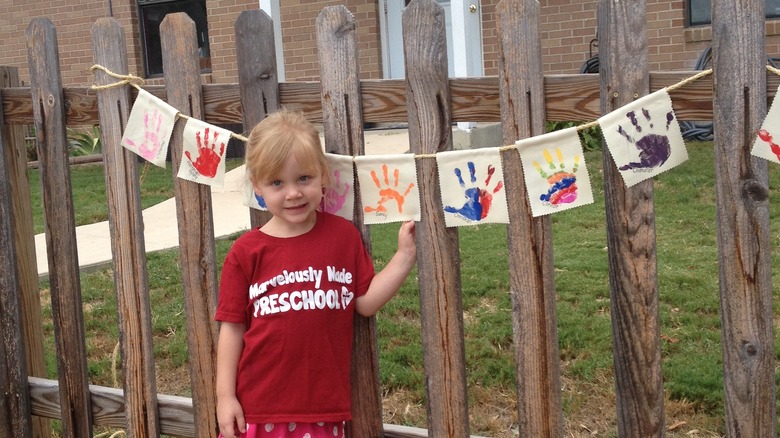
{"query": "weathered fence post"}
pixel 531 271
pixel 342 117
pixel 24 242
pixel 196 223
pixel 259 85
pixel 744 241
pixel 49 116
pixel 15 411
pixel 438 261
pixel 127 234
pixel 630 232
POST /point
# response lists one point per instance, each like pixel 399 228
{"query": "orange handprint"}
pixel 208 159
pixel 388 193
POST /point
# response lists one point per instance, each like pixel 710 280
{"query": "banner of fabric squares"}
pixel 766 145
pixel 644 137
pixel 203 157
pixel 388 188
pixel 478 197
pixel 149 128
pixel 555 183
pixel 339 198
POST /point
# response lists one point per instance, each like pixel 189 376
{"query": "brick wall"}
pixel 299 37
pixel 567 29
pixel 73 22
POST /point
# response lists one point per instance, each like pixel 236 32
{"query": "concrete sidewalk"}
pixel 230 215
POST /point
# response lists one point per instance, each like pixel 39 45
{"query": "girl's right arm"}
pixel 230 414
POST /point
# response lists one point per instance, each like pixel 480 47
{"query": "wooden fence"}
pixel 521 97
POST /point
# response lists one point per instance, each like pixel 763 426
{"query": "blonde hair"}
pixel 281 135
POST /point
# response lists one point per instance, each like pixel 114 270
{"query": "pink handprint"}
pixel 332 201
pixel 151 145
pixel 208 159
pixel 388 193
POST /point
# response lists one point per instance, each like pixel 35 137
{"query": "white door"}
pixel 392 36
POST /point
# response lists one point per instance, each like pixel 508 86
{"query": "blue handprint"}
pixel 260 201
pixel 478 200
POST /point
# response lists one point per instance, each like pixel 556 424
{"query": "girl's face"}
pixel 292 197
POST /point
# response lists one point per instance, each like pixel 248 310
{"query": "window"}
pixel 700 11
pixel 152 12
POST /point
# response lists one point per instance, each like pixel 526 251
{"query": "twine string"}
pixel 136 82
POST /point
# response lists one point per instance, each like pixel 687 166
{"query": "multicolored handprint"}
pixel 478 199
pixel 388 192
pixel 562 184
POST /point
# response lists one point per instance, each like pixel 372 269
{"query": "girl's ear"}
pixel 256 189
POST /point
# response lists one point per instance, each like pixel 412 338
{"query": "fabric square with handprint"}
pixel 339 196
pixel 556 177
pixel 388 188
pixel 472 187
pixel 203 157
pixel 149 128
pixel 644 137
pixel 767 144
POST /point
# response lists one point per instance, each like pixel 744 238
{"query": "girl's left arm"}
pixel 386 282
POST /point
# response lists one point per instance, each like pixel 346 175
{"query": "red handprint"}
pixel 208 159
pixel 763 134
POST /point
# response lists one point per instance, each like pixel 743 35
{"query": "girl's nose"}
pixel 293 192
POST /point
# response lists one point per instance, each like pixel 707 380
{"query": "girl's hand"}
pixel 407 244
pixel 230 416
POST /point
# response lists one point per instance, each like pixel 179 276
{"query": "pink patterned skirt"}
pixel 294 430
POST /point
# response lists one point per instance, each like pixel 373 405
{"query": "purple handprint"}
pixel 654 149
pixel 478 200
pixel 151 145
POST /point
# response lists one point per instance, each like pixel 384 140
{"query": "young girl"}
pixel 288 295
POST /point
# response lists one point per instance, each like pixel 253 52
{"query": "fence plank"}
pixel 531 271
pixel 438 260
pixel 744 239
pixel 630 233
pixel 195 219
pixel 343 128
pixel 15 402
pixel 127 235
pixel 49 118
pixel 567 97
pixel 24 242
pixel 108 407
pixel 256 54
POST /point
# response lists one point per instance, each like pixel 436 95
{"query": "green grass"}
pixel 688 286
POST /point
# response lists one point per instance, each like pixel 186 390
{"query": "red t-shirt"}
pixel 297 298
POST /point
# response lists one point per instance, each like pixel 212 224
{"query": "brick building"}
pixel 678 33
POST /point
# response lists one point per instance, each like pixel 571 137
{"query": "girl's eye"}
pixel 276 183
pixel 304 178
